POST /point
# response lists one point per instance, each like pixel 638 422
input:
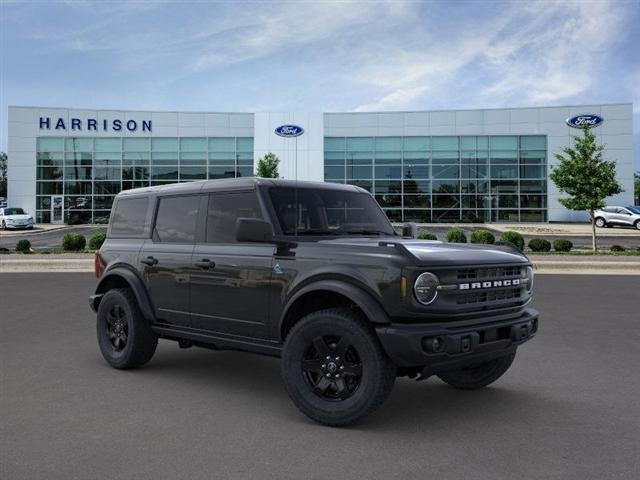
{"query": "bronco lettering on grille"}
pixel 491 284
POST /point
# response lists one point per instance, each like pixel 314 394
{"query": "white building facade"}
pixel 66 165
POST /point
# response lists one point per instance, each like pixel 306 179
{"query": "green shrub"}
pixel 482 236
pixel 73 242
pixel 23 246
pixel 617 248
pixel 455 235
pixel 562 245
pixel 539 245
pixel 513 237
pixel 427 236
pixel 96 240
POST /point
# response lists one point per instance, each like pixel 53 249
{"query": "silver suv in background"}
pixel 622 216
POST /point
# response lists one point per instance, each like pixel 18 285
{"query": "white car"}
pixel 15 218
pixel 621 216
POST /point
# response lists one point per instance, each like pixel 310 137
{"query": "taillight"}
pixel 97 264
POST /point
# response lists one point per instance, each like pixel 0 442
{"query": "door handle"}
pixel 151 261
pixel 205 264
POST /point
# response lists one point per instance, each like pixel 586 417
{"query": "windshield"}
pixel 13 211
pixel 328 212
pixel 634 210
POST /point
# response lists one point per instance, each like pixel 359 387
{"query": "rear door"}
pixel 230 288
pixel 165 259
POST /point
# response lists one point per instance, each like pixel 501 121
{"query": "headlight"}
pixel 426 288
pixel 529 274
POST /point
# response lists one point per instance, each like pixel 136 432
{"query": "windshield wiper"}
pixel 313 232
pixel 365 232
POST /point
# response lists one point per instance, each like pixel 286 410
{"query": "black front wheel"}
pixel 124 336
pixel 478 376
pixel 334 367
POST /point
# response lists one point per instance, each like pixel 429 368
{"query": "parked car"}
pixel 620 216
pixel 313 273
pixel 15 218
pixel 3 202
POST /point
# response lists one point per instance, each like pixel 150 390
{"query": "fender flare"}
pixel 364 300
pixel 135 283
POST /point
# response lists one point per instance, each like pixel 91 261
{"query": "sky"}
pixel 318 55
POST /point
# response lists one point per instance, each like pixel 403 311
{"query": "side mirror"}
pixel 253 230
pixel 410 230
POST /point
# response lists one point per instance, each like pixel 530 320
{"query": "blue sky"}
pixel 318 56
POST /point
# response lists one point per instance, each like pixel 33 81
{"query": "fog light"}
pixel 433 344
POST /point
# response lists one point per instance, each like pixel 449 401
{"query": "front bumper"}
pixel 459 344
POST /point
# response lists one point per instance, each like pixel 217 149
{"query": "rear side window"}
pixel 224 210
pixel 176 219
pixel 128 217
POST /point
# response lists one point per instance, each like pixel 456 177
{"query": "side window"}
pixel 128 217
pixel 225 209
pixel 176 219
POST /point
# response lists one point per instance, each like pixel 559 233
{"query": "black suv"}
pixel 311 272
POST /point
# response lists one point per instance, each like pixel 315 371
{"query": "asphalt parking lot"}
pixel 568 408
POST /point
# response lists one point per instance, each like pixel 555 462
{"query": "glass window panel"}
pixel 49 173
pixel 532 171
pixel 245 145
pixel 450 171
pixel 78 144
pixel 82 188
pixel 108 145
pixel 222 172
pixel 164 144
pixel 445 216
pixel 508 201
pixel 43 202
pixel 103 202
pixel 224 210
pixel 533 201
pixel 359 143
pixel 533 142
pixel 334 158
pixel 388 172
pixel 101 216
pixel 471 201
pixel 420 216
pixel 503 142
pixel 194 144
pixel 389 200
pixel 193 173
pixel 164 158
pixel 193 158
pixel 77 173
pixel 83 158
pixel 474 216
pixel 411 171
pixel 129 217
pixel 444 143
pixel 394 215
pixel 359 172
pixel 50 158
pixel 416 158
pixel 504 171
pixel 445 186
pixel 77 203
pixel 445 158
pixel 366 184
pixel 388 143
pixel 533 186
pixel 504 157
pixel 473 171
pixel 387 186
pixel 164 173
pixel 334 144
pixel 359 158
pixel 49 188
pixel 222 144
pixel 533 156
pixel 388 158
pixel 140 144
pixel 50 144
pixel 77 216
pixel 413 186
pixel 533 216
pixel 505 216
pixel 416 201
pixel 223 158
pixel 333 172
pixel 107 173
pixel 245 172
pixel 468 143
pixel 504 186
pixel 482 143
pixel 417 144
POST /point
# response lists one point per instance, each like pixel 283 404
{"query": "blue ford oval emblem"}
pixel 587 120
pixel 289 131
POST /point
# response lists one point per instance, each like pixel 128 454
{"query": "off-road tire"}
pixel 478 376
pixel 141 341
pixel 368 391
pixel 600 222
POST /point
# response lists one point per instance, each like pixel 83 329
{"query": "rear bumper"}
pixel 458 344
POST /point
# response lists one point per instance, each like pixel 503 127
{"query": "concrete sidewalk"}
pixel 566 264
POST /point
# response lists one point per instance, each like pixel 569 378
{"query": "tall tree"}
pixel 3 174
pixel 268 166
pixel 585 177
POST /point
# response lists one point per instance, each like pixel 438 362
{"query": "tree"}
pixel 585 177
pixel 268 166
pixel 3 174
pixel 636 188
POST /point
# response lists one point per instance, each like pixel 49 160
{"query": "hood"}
pixel 18 217
pixel 435 253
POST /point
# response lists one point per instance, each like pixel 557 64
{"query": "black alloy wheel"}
pixel 117 327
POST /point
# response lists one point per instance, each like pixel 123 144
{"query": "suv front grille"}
pixel 485 297
pixel 482 273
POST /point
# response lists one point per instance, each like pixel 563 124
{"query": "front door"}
pixel 165 259
pixel 57 209
pixel 230 289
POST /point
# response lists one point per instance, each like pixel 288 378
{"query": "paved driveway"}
pixel 567 409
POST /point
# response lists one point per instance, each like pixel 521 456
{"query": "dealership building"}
pixel 425 166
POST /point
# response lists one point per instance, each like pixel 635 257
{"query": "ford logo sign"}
pixel 587 120
pixel 289 131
